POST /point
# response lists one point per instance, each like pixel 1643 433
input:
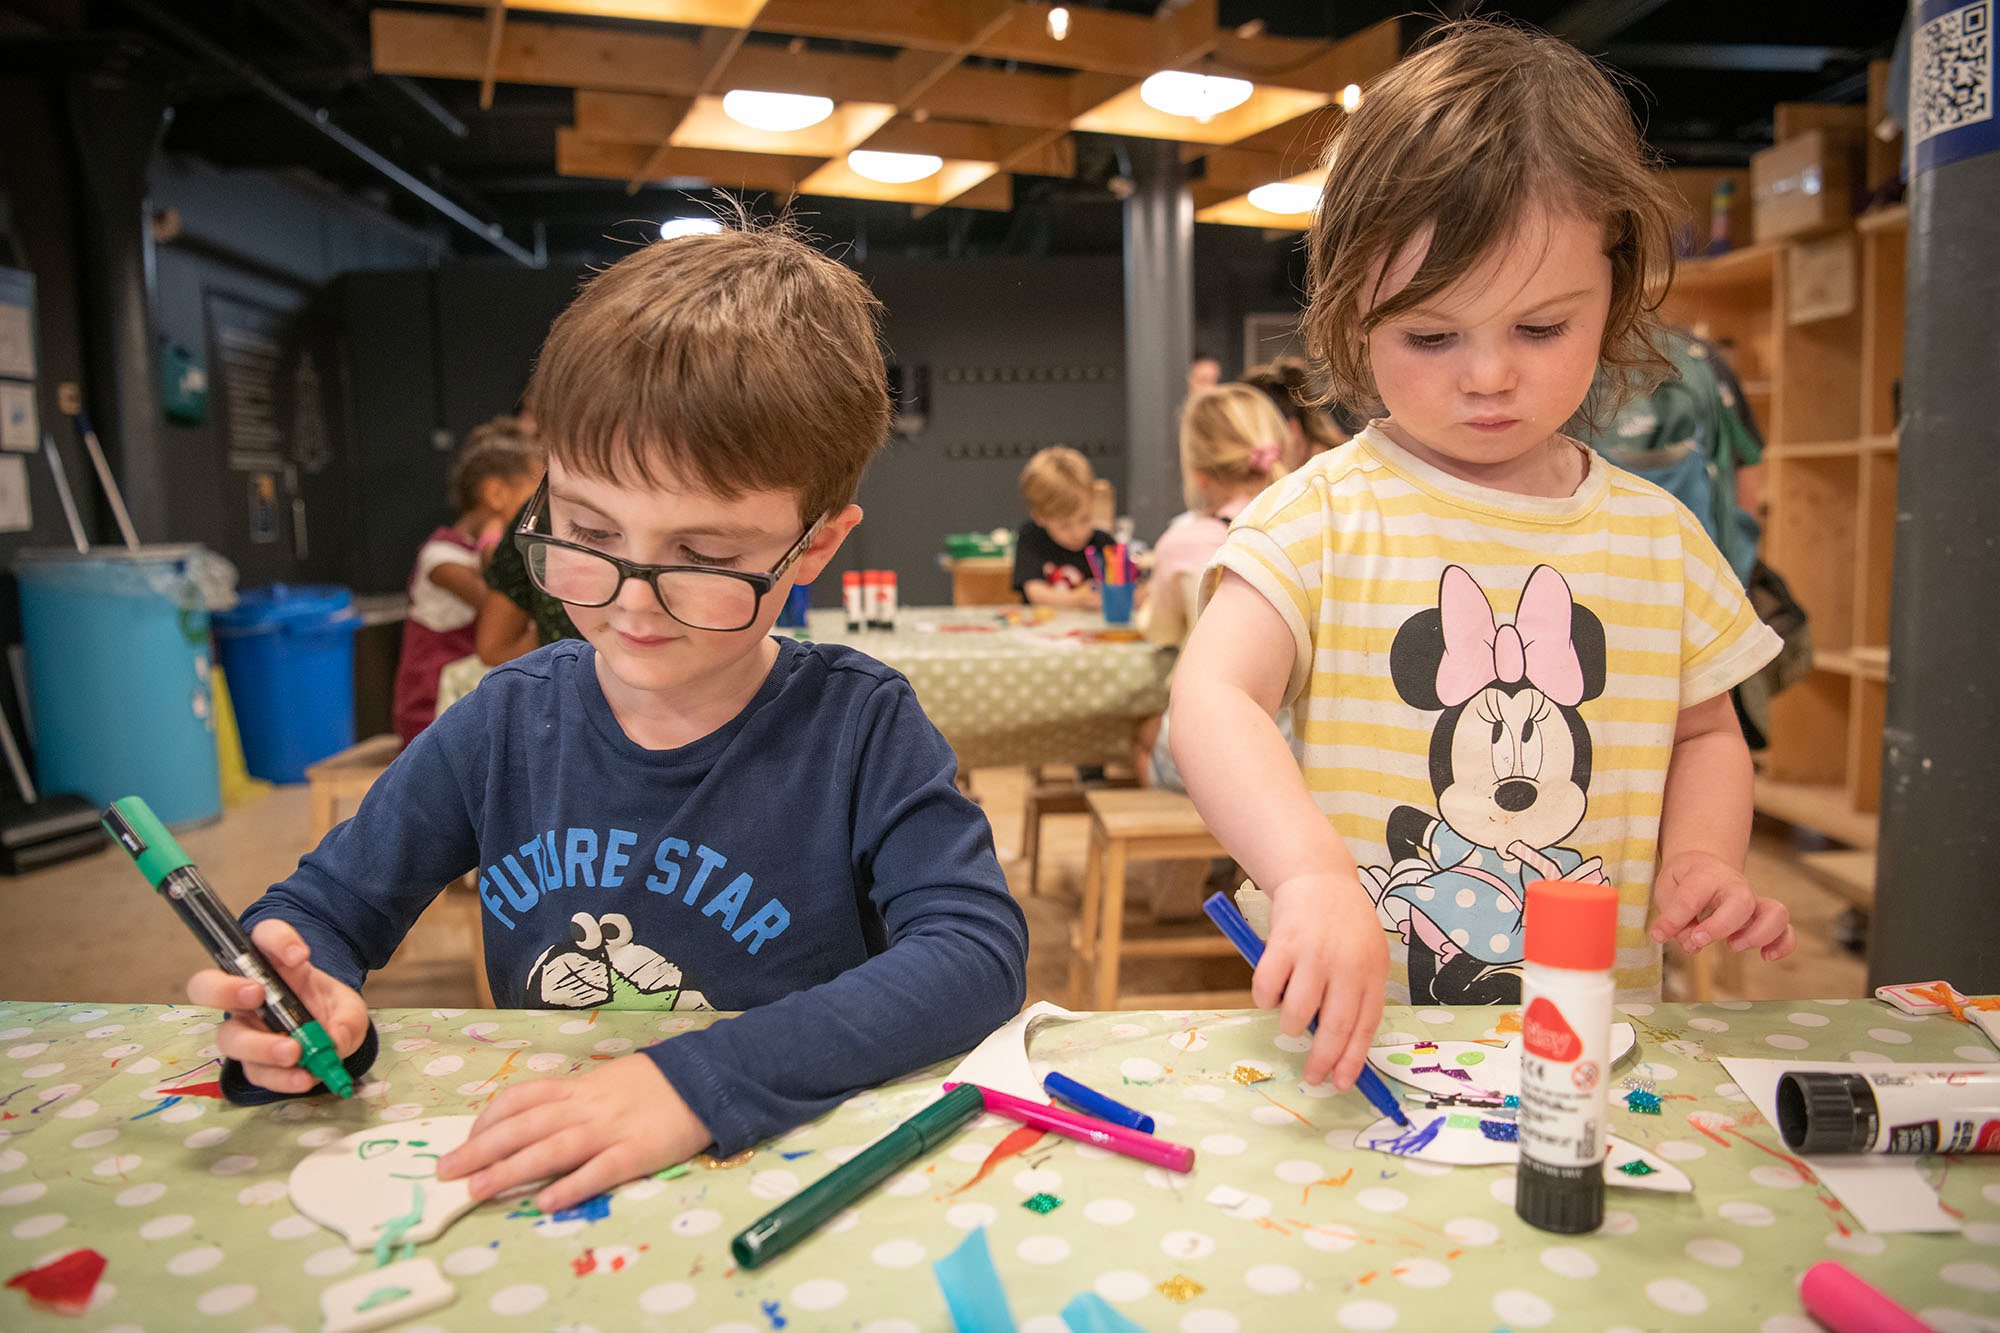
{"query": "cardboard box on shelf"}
pixel 1804 184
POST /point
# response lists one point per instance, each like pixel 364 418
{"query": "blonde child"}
pixel 1507 661
pixel 1310 429
pixel 676 810
pixel 1051 567
pixel 494 474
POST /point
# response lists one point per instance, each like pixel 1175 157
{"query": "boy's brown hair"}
pixel 1466 135
pixel 740 360
pixel 1056 483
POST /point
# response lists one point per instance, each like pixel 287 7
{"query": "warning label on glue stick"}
pixel 1563 1069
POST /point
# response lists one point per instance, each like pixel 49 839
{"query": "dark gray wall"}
pixel 1022 353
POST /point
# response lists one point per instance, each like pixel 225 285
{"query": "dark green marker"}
pixel 805 1212
pixel 133 826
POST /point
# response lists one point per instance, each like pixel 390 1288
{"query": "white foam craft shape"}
pixel 368 1180
pixel 424 1289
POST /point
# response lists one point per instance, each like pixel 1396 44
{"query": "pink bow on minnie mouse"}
pixel 1536 647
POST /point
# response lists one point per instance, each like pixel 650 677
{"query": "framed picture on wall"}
pixel 1270 334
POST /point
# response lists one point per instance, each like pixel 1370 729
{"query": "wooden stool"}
pixel 1128 826
pixel 346 776
pixel 1054 789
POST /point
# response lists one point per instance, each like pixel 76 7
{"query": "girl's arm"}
pixel 464 582
pixel 1327 957
pixel 503 631
pixel 1039 592
pixel 1702 894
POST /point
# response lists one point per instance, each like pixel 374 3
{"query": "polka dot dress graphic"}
pixel 1286 1222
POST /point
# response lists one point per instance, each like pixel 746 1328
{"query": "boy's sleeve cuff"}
pixel 240 1091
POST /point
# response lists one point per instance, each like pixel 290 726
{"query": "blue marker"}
pixel 1224 914
pixel 1091 1102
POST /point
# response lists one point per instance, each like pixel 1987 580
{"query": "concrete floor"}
pixel 90 930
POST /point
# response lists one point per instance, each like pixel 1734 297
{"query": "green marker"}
pixel 134 826
pixel 805 1212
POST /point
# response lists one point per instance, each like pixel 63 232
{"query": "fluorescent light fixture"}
pixel 1350 98
pixel 1196 96
pixel 1059 23
pixel 673 227
pixel 1282 197
pixel 894 168
pixel 775 113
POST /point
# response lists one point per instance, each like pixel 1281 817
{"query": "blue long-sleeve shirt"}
pixel 810 863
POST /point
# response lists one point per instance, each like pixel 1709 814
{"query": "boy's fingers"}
pixel 280 1079
pixel 517 1099
pixel 250 1046
pixel 287 951
pixel 212 988
pixel 607 1170
pixel 484 1148
pixel 546 1156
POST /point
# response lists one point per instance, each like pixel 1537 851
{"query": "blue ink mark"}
pixel 771 1313
pixel 1500 1131
pixel 794 1156
pixel 1410 1141
pixel 163 1104
pixel 590 1210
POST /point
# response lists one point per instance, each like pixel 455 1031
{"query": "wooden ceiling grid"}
pixel 648 90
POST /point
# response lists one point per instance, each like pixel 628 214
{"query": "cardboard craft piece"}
pixel 1001 1061
pixel 384 1296
pixel 373 1181
pixel 1456 1138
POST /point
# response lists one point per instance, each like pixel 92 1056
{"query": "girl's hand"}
pixel 1700 898
pixel 269 1060
pixel 1327 960
pixel 620 1121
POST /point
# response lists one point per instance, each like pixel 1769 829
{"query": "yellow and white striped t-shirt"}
pixel 1486 686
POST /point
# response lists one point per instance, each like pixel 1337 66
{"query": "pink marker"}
pixel 1088 1129
pixel 1844 1303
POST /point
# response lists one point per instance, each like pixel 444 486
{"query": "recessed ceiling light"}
pixel 1197 96
pixel 1059 23
pixel 1350 98
pixel 673 227
pixel 775 113
pixel 894 168
pixel 1284 197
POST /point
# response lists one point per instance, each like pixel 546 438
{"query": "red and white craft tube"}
pixel 888 599
pixel 851 599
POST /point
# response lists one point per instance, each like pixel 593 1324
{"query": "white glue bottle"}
pixel 1566 990
pixel 1891 1110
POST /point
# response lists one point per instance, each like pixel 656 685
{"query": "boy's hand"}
pixel 271 1061
pixel 616 1123
pixel 1327 958
pixel 1701 899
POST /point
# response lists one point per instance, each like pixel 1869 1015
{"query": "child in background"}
pixel 494 474
pixel 1311 427
pixel 1050 564
pixel 1507 660
pixel 677 810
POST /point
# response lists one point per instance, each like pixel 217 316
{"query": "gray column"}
pixel 1935 871
pixel 1159 332
pixel 116 120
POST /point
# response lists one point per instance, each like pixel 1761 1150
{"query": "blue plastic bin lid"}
pixel 284 606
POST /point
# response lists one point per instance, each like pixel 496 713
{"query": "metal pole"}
pixel 1941 754
pixel 1159 331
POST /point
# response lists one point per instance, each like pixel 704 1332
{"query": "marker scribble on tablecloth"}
pixel 1412 1140
pixel 1017 1142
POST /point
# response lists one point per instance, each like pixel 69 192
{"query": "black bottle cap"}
pixel 1564 1199
pixel 1826 1112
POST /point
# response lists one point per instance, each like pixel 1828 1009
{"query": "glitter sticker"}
pixel 1180 1289
pixel 1637 1167
pixel 1645 1103
pixel 1249 1074
pixel 1501 1131
pixel 1042 1203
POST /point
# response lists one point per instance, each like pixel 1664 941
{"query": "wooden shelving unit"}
pixel 1822 389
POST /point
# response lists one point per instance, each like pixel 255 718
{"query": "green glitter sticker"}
pixel 1042 1203
pixel 1637 1167
pixel 1471 1057
pixel 1461 1121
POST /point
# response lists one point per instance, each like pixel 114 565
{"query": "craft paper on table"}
pixel 1470 1068
pixel 1465 1138
pixel 384 1296
pixel 380 1183
pixel 972 1290
pixel 1920 997
pixel 1001 1061
pixel 1884 1193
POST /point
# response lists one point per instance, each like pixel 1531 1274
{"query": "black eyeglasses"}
pixel 697 596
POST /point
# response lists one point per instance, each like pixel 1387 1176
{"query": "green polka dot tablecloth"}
pixel 1001 694
pixel 1284 1223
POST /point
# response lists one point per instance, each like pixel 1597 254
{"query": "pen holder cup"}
pixel 1117 600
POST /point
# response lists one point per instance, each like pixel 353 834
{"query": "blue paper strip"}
pixel 972 1290
pixel 1091 1313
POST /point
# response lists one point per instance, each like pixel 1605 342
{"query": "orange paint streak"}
pixel 1305 1195
pixel 1453 1254
pixel 591 1022
pixel 1509 1022
pixel 1022 1139
pixel 1366 1278
pixel 501 1072
pixel 1795 1163
pixel 1278 1227
pixel 1704 1129
pixel 1282 1107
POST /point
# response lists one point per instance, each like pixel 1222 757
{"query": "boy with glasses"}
pixel 678 809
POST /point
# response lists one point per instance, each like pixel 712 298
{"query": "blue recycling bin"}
pixel 118 677
pixel 288 652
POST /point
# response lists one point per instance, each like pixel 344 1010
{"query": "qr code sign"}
pixel 1951 59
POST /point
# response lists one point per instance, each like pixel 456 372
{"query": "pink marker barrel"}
pixel 1844 1303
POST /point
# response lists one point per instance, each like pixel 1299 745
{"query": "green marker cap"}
pixel 134 826
pixel 320 1058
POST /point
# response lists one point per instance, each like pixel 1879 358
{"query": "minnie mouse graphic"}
pixel 1510 764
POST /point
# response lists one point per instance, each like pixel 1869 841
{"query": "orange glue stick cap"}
pixel 1572 925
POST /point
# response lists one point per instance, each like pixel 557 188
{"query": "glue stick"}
pixel 888 599
pixel 1891 1110
pixel 1566 991
pixel 850 597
